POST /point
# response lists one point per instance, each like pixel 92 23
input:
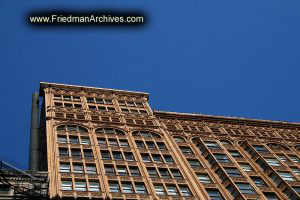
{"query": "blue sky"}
pixel 232 58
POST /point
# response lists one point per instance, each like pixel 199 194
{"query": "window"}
pixel 85 141
pixel 150 145
pixel 233 191
pixel 259 182
pixel 211 145
pixel 88 153
pixel 233 172
pixel 297 189
pixel 111 131
pixel 134 171
pixel 273 161
pixel 179 139
pixel 124 143
pixel 63 152
pixel 109 170
pixel 245 188
pixel 73 140
pixel 140 144
pixel 94 186
pixel 271 196
pixel 122 171
pixel 66 185
pixel 164 173
pixel 194 163
pixel 290 194
pixel 146 134
pixel 214 194
pixel 127 187
pixel 275 178
pixel 117 155
pixel 157 158
pixel 159 189
pixel 225 142
pixel 78 168
pixel 114 186
pixel 260 149
pixel 172 190
pixel 61 139
pixel 203 178
pixel 246 167
pixel 105 155
pixel 140 188
pixel 64 167
pixel 283 158
pixel 235 154
pixel 161 145
pixel 287 176
pixel 295 170
pixel 185 191
pixel 168 159
pixel 91 169
pixel 112 142
pixel 186 150
pixel 222 158
pixel 129 156
pixel 262 164
pixel 76 153
pixel 80 186
pixel 294 159
pixel 101 141
pixel 152 172
pixel 176 173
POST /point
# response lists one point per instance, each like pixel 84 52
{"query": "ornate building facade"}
pixel 109 144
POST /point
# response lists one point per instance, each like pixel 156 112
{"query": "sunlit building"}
pixel 100 143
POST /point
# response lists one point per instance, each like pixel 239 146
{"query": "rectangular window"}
pixel 140 144
pixel 283 158
pixel 164 173
pixel 117 155
pixel 66 185
pixel 233 172
pixel 63 152
pixel 203 178
pixel 245 188
pixel 271 196
pixel 124 143
pixel 194 163
pixel 150 145
pixel 73 140
pixel 159 189
pixel 88 153
pixel 185 191
pixel 109 170
pixel 101 141
pixel 186 150
pixel 172 190
pixel 94 186
pixel 80 186
pixel 211 145
pixel 246 167
pixel 235 154
pixel 157 158
pixel 287 176
pixel 294 159
pixel 146 157
pixel 127 187
pixel 295 170
pixel 85 141
pixel 222 158
pixel 275 178
pixel 161 145
pixel 105 155
pixel 129 156
pixel 112 142
pixel 259 182
pixel 78 168
pixel 91 169
pixel 76 153
pixel 122 170
pixel 168 159
pixel 114 186
pixel 140 188
pixel 273 161
pixel 64 167
pixel 176 173
pixel 152 172
pixel 260 149
pixel 214 194
pixel 61 140
pixel 134 171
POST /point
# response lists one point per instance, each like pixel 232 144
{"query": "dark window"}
pixel 88 153
pixel 168 159
pixel 176 173
pixel 245 188
pixel 164 173
pixel 186 150
pixel 117 155
pixel 129 156
pixel 222 158
pixel 214 194
pixel 259 182
pixel 105 155
pixel 134 171
pixel 109 170
pixel 203 178
pixel 152 172
pixel 114 186
pixel 233 172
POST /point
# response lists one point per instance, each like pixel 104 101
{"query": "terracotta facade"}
pixel 110 144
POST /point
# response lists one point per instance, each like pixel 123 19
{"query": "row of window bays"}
pixel 213 145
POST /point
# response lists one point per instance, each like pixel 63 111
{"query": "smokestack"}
pixel 34 136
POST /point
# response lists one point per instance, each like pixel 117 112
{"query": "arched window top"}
pixel 111 131
pixel 179 139
pixel 278 146
pixel 70 128
pixel 146 134
pixel 225 142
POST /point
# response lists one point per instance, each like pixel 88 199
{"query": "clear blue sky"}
pixel 232 58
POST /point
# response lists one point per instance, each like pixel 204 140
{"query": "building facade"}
pixel 109 144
